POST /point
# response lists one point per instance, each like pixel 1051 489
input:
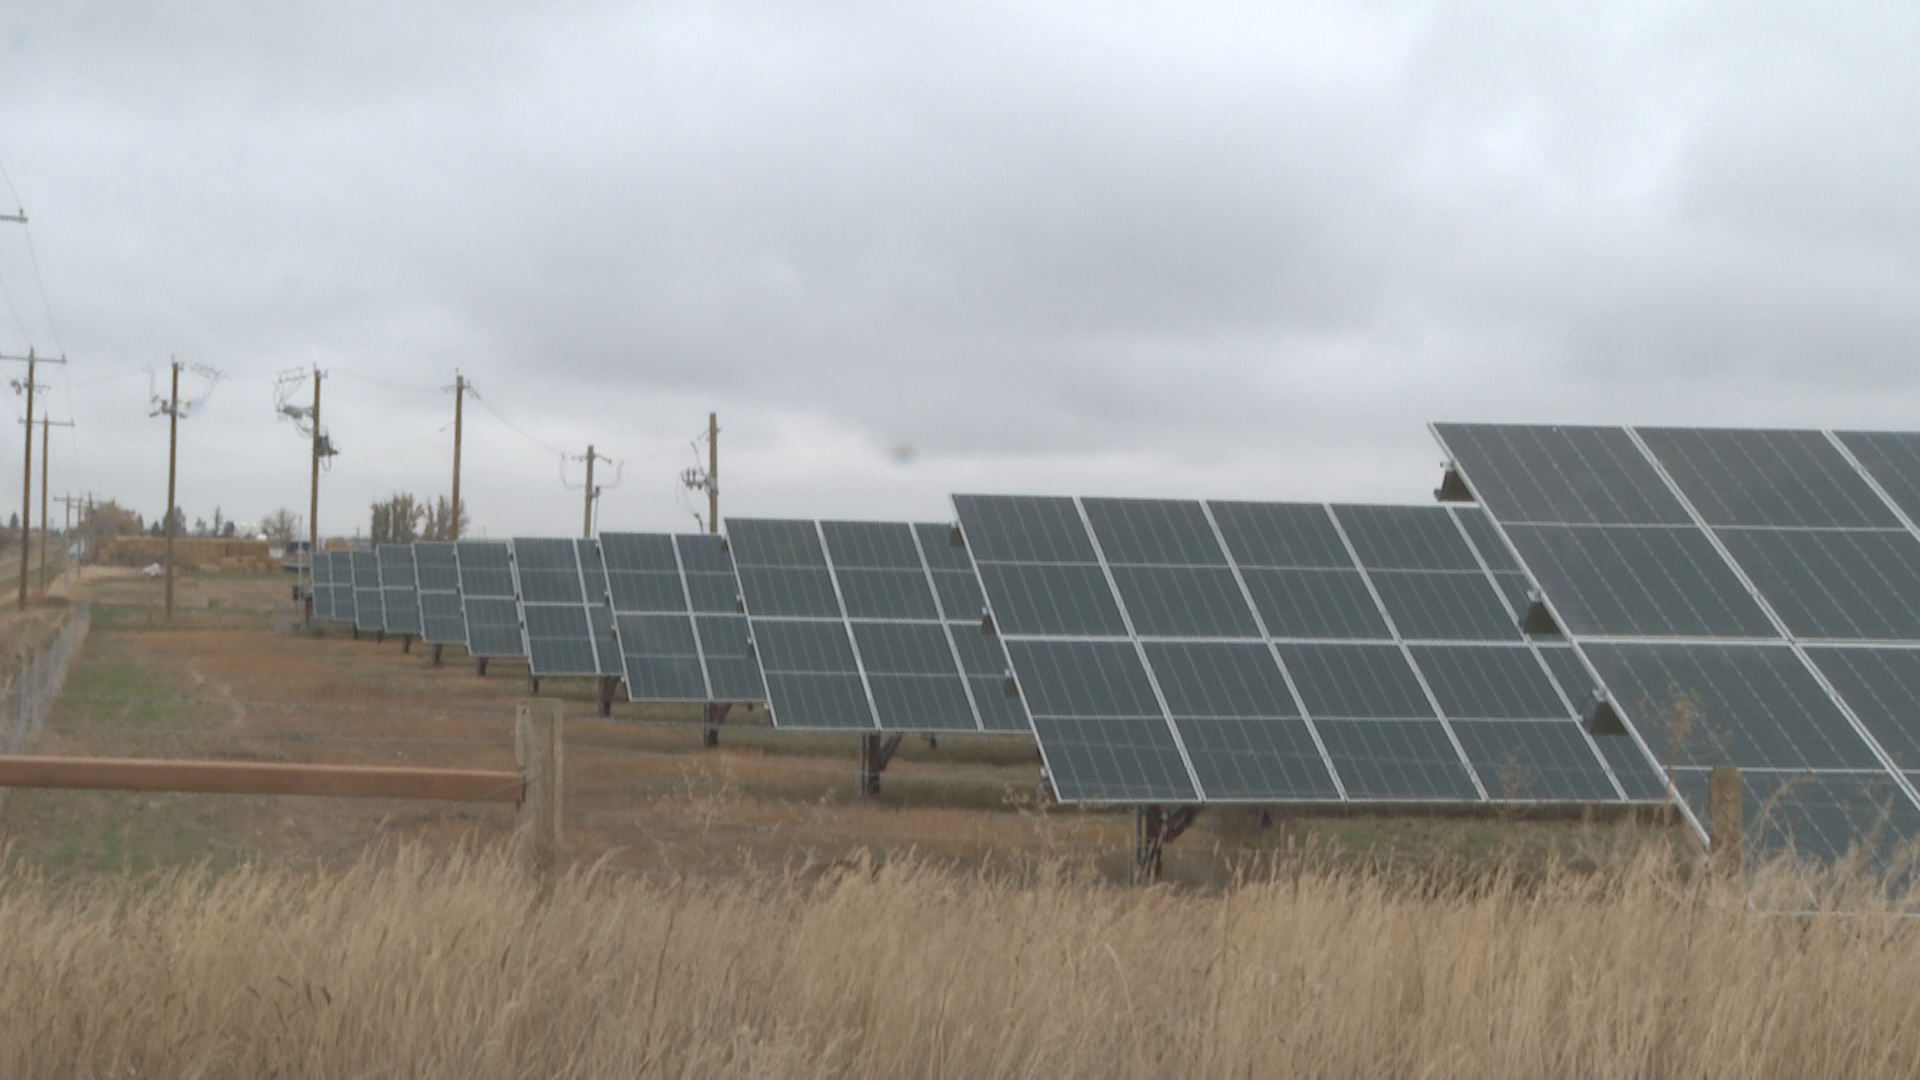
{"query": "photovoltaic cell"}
pixel 1835 584
pixel 1892 459
pixel 1767 478
pixel 1564 475
pixel 1754 706
pixel 1641 582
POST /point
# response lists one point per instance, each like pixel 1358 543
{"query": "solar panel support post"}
pixel 876 750
pixel 1725 845
pixel 435 662
pixel 1154 827
pixel 480 666
pixel 716 715
pixel 604 700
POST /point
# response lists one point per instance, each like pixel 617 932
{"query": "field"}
pixel 741 910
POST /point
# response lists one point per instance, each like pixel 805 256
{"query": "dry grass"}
pixel 449 965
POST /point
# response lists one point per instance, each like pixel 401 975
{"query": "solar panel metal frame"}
pixel 1335 550
pixel 1845 495
pixel 873 717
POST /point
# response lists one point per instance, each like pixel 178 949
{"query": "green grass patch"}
pixel 110 683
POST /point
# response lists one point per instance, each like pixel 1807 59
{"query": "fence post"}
pixel 537 745
pixel 1724 811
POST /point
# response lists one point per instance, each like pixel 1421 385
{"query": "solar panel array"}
pixel 399 589
pixel 675 603
pixel 441 620
pixel 487 599
pixel 870 626
pixel 1748 598
pixel 1185 652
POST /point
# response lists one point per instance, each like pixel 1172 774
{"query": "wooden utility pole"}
pixel 32 361
pixel 313 497
pixel 173 443
pixel 713 472
pixel 586 526
pixel 459 399
pixel 44 457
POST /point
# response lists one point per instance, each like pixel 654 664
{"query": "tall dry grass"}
pixel 421 965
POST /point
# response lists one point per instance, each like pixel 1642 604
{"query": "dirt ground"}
pixel 234 675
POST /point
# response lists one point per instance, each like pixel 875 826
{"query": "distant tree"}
pixel 199 526
pixel 13 522
pixel 397 520
pixel 111 519
pixel 219 522
pixel 283 524
pixel 229 529
pixel 438 521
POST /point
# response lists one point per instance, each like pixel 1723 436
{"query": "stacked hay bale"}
pixel 213 555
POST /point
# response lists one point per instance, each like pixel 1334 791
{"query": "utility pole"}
pixel 586 526
pixel 459 399
pixel 44 458
pixel 173 443
pixel 66 533
pixel 32 360
pixel 313 498
pixel 708 481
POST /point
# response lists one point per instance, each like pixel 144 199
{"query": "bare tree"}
pixel 283 524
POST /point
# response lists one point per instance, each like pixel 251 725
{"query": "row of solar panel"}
pixel 857 639
pixel 1169 651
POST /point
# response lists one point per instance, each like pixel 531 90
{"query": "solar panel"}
pixel 487 599
pixel 441 620
pixel 368 612
pixel 871 626
pixel 322 564
pixel 1180 651
pixel 399 589
pixel 564 637
pixel 341 605
pixel 1746 597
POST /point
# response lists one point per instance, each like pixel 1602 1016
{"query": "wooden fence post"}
pixel 1724 812
pixel 537 745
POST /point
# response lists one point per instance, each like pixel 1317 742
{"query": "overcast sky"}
pixel 1224 250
